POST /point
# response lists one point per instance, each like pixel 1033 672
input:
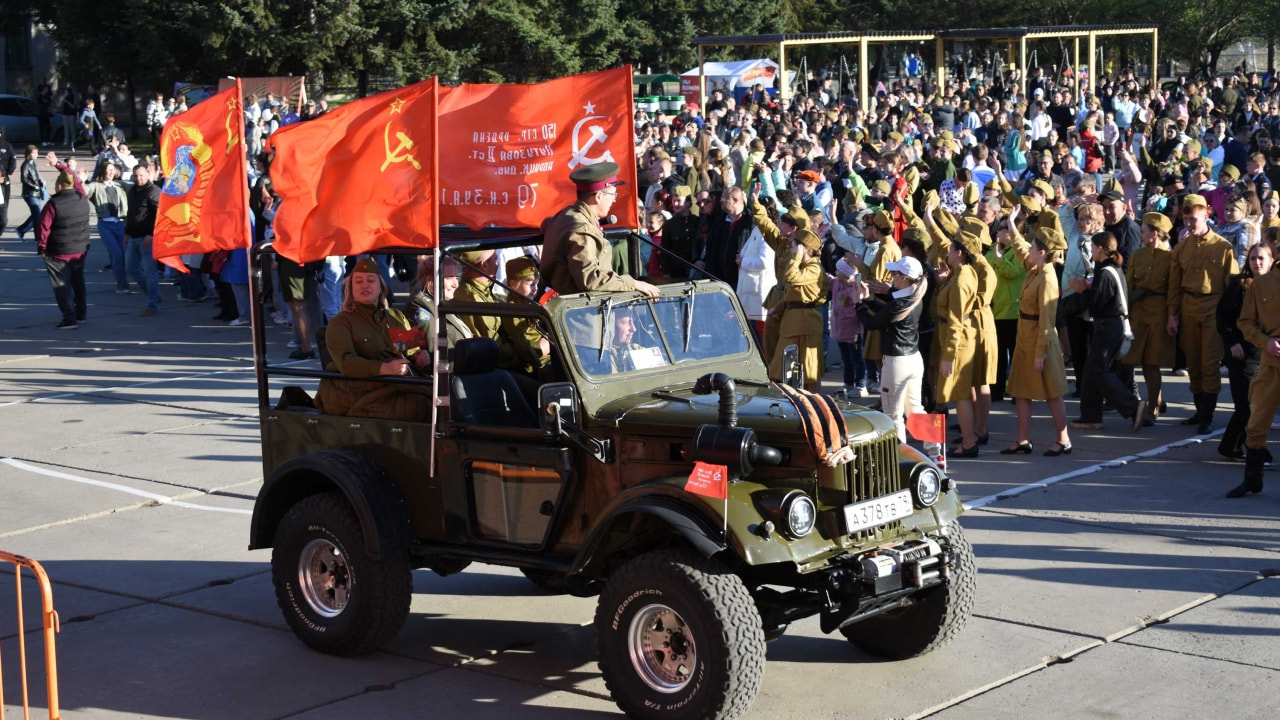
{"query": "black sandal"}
pixel 1058 449
pixel 963 452
pixel 1024 448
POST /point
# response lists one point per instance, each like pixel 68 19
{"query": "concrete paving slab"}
pixel 205 668
pixel 1122 681
pixel 1179 494
pixel 150 552
pixel 460 693
pixel 102 369
pixel 1242 627
pixel 1081 578
pixel 72 604
pixel 849 684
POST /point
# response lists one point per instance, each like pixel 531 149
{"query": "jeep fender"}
pixel 682 517
pixel 377 502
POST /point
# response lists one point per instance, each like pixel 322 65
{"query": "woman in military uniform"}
pixel 1148 279
pixel 530 349
pixel 807 288
pixel 1038 371
pixel 957 302
pixel 986 348
pixel 360 341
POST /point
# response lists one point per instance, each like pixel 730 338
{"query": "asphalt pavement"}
pixel 1115 582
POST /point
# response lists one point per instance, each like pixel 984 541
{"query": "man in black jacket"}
pixel 897 317
pixel 139 226
pixel 8 163
pixel 62 238
pixel 1118 222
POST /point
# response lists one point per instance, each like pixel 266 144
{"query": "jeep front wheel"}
pixel 335 597
pixel 936 616
pixel 678 637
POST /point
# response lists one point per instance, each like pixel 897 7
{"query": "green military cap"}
pixel 1194 144
pixel 1206 165
pixel 590 178
pixel 971 193
pixel 970 242
pixel 1050 238
pixel 1159 221
pixel 808 239
pixel 883 221
pixel 948 136
pixel 1045 188
pixel 690 151
pixel 881 187
pixel 857 136
pixel 475 257
pixel 916 234
pixel 521 267
pixel 895 135
pixel 1194 200
pixel 946 221
pixel 683 191
pixel 1030 205
pixel 798 217
pixel 367 265
pixel 1229 171
pixel 974 226
pixel 912 176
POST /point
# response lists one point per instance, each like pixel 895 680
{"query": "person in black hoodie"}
pixel 1107 300
pixel 1242 357
pixel 897 315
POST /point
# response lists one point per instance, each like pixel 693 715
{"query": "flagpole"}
pixel 439 279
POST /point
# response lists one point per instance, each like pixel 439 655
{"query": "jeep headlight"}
pixel 799 514
pixel 927 487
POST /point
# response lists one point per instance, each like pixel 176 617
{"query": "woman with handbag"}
pixel 1106 298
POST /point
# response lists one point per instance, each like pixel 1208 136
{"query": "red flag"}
pixel 204 202
pixel 359 178
pixel 510 148
pixel 709 480
pixel 927 428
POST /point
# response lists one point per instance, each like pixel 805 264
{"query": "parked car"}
pixel 19 119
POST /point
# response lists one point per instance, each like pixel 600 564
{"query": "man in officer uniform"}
pixel 1198 273
pixel 576 256
pixel 1260 323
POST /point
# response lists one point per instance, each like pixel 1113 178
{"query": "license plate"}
pixel 871 513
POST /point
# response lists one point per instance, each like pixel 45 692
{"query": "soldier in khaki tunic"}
pixel 1148 279
pixel 1038 371
pixel 1200 266
pixel 531 351
pixel 778 238
pixel 957 301
pixel 477 287
pixel 1260 323
pixel 576 256
pixel 807 289
pixel 986 350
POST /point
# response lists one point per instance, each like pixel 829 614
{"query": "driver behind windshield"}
pixel 621 345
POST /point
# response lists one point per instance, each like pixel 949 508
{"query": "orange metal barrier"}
pixel 51 628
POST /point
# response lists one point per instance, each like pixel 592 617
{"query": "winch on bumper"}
pixel 880 580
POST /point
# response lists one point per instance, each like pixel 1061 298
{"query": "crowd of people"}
pixel 1055 242
pixel 960 246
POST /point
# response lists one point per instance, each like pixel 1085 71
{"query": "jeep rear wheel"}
pixel 678 637
pixel 934 619
pixel 335 597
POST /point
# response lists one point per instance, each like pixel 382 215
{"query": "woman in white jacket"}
pixel 756 275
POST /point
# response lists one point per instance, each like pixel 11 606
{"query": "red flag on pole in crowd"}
pixel 709 480
pixel 359 178
pixel 927 428
pixel 204 202
pixel 510 148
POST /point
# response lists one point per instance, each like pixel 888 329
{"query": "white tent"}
pixel 735 78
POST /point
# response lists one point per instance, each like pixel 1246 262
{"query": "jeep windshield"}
pixel 625 335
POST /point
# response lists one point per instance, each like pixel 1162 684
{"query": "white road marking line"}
pixel 1118 462
pixel 122 488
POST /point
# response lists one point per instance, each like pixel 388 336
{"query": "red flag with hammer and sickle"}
pixel 359 178
pixel 509 149
pixel 204 198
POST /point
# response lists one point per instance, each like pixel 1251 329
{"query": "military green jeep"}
pixel 581 484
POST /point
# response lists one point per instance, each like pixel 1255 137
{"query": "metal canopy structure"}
pixel 866 38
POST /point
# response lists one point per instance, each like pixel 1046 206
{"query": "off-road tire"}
pixel 379 591
pixel 548 582
pixel 936 617
pixel 722 621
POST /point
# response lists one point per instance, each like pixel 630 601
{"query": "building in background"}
pixel 27 55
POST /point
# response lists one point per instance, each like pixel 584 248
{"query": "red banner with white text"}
pixel 506 151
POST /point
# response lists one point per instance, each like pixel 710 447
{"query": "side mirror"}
pixel 557 406
pixel 792 370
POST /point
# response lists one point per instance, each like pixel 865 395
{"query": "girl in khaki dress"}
pixel 1038 371
pixel 956 304
pixel 1148 278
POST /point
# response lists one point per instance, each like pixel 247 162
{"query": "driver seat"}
pixel 482 393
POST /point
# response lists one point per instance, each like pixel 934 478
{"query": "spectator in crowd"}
pixel 33 191
pixel 139 227
pixel 62 239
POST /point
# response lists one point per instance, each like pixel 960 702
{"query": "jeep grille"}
pixel 874 473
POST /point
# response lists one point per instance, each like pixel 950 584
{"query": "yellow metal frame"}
pixel 49 617
pixel 864 40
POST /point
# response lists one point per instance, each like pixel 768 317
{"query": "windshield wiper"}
pixel 688 317
pixel 606 309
